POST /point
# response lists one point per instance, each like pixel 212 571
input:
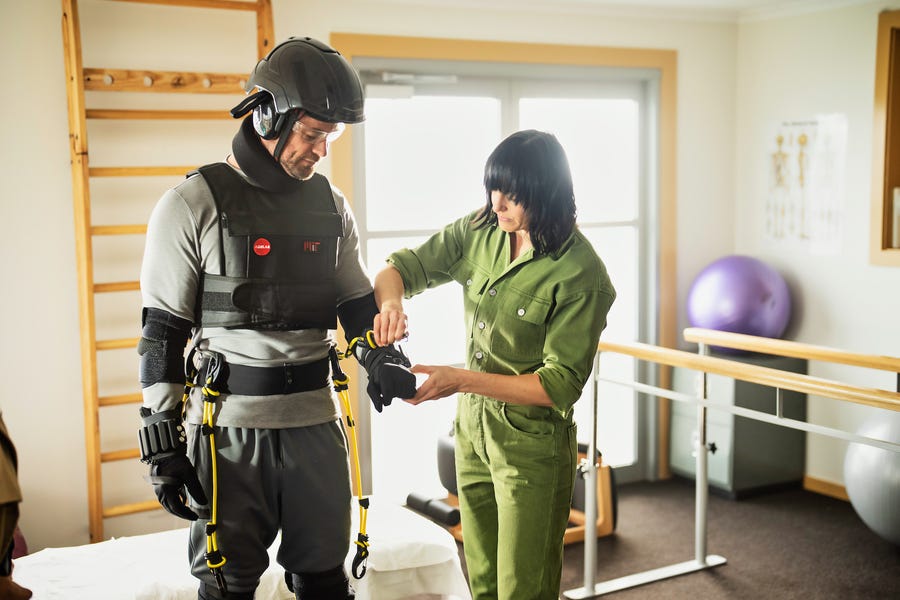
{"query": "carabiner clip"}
pixel 362 555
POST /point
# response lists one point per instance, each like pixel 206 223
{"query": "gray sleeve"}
pixel 352 277
pixel 170 271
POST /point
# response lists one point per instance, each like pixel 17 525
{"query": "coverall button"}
pixel 479 355
pixel 481 325
pixel 468 282
pixel 520 312
pixel 492 292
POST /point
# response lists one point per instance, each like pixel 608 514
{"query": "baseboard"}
pixel 825 487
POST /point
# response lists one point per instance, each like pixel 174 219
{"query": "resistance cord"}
pixel 341 386
pixel 214 558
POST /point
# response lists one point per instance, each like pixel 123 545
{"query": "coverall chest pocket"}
pixel 473 282
pixel 520 327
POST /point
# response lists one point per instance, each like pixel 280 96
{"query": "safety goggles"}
pixel 312 136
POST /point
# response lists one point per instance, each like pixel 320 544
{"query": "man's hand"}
pixel 169 477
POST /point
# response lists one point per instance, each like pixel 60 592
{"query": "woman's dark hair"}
pixel 531 168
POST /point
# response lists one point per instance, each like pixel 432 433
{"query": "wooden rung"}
pixel 120 399
pixel 116 455
pixel 103 113
pixel 125 80
pixel 118 229
pixel 117 344
pixel 130 509
pixel 229 4
pixel 138 171
pixel 117 286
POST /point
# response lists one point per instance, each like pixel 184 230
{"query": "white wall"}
pixel 793 69
pixel 40 375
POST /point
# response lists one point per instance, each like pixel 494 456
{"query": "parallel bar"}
pixel 590 482
pixel 757 415
pixel 766 376
pixel 630 581
pixel 701 485
pixel 754 343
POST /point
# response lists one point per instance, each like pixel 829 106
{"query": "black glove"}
pixel 389 374
pixel 170 476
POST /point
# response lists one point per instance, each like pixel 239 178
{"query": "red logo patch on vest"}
pixel 311 246
pixel 261 247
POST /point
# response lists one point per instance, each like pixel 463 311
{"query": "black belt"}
pixel 269 381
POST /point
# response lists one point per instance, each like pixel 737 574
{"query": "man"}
pixel 255 258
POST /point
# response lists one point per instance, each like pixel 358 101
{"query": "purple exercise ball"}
pixel 740 294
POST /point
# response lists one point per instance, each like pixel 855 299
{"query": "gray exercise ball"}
pixel 872 478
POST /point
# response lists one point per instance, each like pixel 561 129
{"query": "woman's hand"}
pixel 390 324
pixel 442 382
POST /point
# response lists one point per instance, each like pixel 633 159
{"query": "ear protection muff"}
pixel 266 121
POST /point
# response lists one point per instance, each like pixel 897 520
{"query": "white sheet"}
pixel 409 555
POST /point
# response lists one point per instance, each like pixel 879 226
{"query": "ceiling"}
pixel 718 10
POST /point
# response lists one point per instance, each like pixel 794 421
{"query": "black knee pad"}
pixel 211 592
pixel 332 584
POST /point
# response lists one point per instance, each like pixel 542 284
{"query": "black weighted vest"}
pixel 278 255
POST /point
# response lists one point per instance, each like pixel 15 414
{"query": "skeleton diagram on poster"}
pixel 806 182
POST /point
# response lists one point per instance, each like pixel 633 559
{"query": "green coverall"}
pixel 515 465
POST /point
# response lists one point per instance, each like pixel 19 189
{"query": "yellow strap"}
pixel 212 542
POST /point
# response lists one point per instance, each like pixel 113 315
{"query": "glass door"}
pixel 419 165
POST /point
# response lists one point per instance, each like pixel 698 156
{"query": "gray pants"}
pixel 295 480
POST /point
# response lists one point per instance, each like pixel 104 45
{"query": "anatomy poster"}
pixel 806 182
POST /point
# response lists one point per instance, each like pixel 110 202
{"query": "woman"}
pixel 536 297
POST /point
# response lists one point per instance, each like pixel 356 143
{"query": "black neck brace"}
pixel 257 164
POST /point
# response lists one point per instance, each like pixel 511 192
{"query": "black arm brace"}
pixel 357 315
pixel 161 347
pixel 161 435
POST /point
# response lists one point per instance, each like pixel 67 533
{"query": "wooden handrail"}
pixel 775 378
pixel 752 343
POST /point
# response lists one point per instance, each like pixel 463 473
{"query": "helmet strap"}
pixel 286 128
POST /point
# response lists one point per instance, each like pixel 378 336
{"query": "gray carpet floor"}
pixel 788 544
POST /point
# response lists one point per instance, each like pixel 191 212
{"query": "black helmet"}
pixel 305 74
